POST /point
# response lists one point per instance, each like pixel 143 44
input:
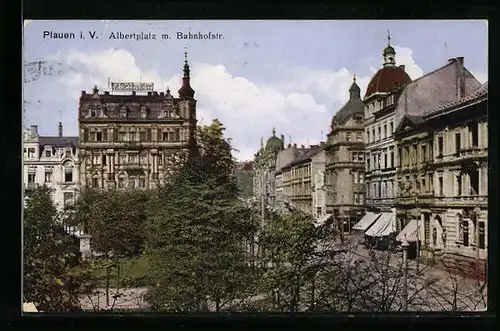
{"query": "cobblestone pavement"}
pixel 131 298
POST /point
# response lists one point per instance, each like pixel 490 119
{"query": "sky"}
pixel 291 75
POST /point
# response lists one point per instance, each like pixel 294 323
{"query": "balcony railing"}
pixel 31 185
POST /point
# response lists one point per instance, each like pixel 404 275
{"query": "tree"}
pixel 47 277
pixel 197 230
pixel 294 252
pixel 113 219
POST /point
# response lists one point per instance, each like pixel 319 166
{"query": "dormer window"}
pixel 31 152
pixel 123 112
pixel 48 153
pixel 144 112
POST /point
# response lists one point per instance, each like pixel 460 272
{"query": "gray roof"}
pixel 353 106
pixel 434 89
pixel 56 141
pixel 479 93
pixel 305 154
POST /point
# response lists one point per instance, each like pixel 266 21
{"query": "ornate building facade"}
pixel 297 183
pixel 135 140
pixel 447 147
pixel 345 162
pixel 264 181
pixel 381 98
pixel 51 161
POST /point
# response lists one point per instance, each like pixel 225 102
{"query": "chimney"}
pixel 84 92
pixel 322 143
pixel 60 130
pixel 302 146
pixel 150 94
pixel 295 145
pixel 133 92
pixel 155 93
pixel 460 60
pixel 34 130
pixel 402 67
pixel 289 145
pixel 162 93
pixel 106 92
pixel 283 139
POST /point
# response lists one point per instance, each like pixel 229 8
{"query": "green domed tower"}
pixel 274 143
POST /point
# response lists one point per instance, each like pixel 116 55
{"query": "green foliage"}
pixel 245 182
pixel 48 259
pixel 295 249
pixel 113 219
pixel 196 232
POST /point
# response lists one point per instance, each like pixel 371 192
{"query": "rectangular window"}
pixel 457 143
pixel 132 158
pixel 48 176
pixel 424 188
pixel 400 157
pixel 356 198
pixel 392 160
pixel 373 134
pixel 359 136
pixel 473 130
pixel 142 182
pixel 164 136
pixel 123 159
pixel 68 175
pixel 96 159
pixel 95 182
pixel 104 160
pixel 133 136
pixel 379 133
pixel 120 182
pixel 31 178
pixel 105 135
pixel 122 136
pixel 148 135
pixel 86 135
pixel 92 136
pixel 68 153
pixel 67 198
pixel 98 136
pixel 440 186
pixel 440 146
pixel 142 136
pixel 385 161
pixel 367 136
pixel 459 185
pixel 348 136
pixel 385 130
pixel 482 235
pixel 360 157
pixel 177 135
pixel 48 153
pixel 115 135
pixel 424 153
pixel 391 128
pixel 318 211
pixel 31 152
pixel 354 156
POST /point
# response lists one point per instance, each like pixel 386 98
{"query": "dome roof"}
pixel 274 143
pixel 389 50
pixel 354 106
pixel 387 79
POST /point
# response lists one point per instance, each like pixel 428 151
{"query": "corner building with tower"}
pixel 135 140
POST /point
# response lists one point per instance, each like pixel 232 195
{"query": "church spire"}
pixel 354 90
pixel 186 90
pixel 389 52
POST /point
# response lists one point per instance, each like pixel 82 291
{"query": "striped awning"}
pixel 384 226
pixel 409 231
pixel 366 221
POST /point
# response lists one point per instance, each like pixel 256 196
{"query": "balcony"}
pixel 31 185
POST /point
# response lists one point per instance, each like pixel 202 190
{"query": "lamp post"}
pixel 405 245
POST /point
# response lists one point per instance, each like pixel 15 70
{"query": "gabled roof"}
pixel 409 120
pixel 56 141
pixel 477 94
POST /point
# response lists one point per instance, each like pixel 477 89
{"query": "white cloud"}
pixel 299 107
pixel 404 55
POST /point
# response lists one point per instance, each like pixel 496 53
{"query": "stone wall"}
pixel 462 265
